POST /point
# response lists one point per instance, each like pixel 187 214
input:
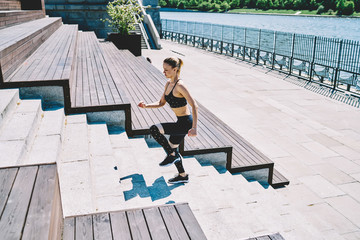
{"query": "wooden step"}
pixel 30 203
pixel 163 222
pixel 10 5
pixel 22 40
pixel 53 60
pixel 10 18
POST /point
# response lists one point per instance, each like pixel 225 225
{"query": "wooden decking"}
pixel 163 222
pixel 9 18
pixel 275 236
pixel 18 42
pixel 30 206
pixel 53 60
pixel 92 84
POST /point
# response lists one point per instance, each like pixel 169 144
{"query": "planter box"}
pixel 132 42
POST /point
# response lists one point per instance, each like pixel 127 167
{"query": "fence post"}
pixel 258 50
pixel 338 64
pixel 313 59
pixel 244 44
pixel 292 54
pixel 273 54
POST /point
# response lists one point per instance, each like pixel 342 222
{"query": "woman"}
pixel 177 95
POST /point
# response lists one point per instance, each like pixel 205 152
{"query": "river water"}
pixel 334 27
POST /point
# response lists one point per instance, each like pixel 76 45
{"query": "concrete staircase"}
pixel 101 172
pixel 28 135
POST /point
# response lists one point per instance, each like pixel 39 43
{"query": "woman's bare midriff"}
pixel 181 111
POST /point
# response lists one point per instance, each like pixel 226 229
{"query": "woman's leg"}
pixel 157 132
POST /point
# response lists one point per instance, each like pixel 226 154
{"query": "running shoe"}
pixel 170 159
pixel 179 179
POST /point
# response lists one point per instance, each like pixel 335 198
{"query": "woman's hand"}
pixel 192 132
pixel 141 104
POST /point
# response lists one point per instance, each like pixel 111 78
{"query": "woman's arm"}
pixel 183 90
pixel 158 104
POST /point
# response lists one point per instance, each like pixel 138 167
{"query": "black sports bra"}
pixel 175 102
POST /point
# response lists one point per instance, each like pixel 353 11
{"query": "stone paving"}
pixel 313 139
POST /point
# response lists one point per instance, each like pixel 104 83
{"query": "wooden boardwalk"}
pixel 163 222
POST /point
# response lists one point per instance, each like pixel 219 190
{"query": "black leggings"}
pixel 177 132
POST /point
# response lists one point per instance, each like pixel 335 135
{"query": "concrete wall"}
pixel 85 13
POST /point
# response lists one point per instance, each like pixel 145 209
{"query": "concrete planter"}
pixel 132 42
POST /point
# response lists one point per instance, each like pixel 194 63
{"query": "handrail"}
pixel 151 26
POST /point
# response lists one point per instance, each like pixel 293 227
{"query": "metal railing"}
pixel 328 61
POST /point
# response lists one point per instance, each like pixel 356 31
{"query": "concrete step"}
pixel 74 168
pixel 104 176
pixel 19 131
pixel 9 99
pixel 47 143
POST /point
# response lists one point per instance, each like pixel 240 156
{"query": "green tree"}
pixel 162 3
pixel 313 5
pixel 235 4
pixel 182 4
pixel 357 5
pixel 204 6
pixel 173 3
pixel 224 6
pixel 216 7
pixel 345 7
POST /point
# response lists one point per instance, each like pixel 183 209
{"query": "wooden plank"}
pixel 156 224
pixel 120 227
pixel 83 228
pixel 190 223
pixel 138 227
pixel 7 178
pixel 276 236
pixel 13 218
pixel 102 227
pixel 173 223
pixel 38 219
pixel 69 229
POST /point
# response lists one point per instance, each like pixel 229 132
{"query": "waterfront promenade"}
pixel 313 139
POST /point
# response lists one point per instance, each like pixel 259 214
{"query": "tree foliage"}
pixel 341 7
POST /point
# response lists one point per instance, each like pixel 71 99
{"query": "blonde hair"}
pixel 174 62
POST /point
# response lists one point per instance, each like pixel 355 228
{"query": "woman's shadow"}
pixel 158 190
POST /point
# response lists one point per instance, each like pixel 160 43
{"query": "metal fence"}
pixel 330 61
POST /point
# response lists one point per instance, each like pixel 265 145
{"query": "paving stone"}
pixel 352 236
pixel 319 149
pixel 352 189
pixel 344 164
pixel 326 218
pixel 321 186
pixel 347 152
pixel 356 176
pixel 348 207
pixel 332 173
pixel 324 140
pixel 76 118
pixel 9 98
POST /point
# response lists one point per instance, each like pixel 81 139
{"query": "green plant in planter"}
pixel 123 15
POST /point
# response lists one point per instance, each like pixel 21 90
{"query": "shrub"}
pixel 235 3
pixel 216 7
pixel 320 10
pixel 162 3
pixel 182 5
pixel 345 7
pixel 224 6
pixel 123 15
pixel 204 6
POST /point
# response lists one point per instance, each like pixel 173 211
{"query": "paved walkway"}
pixel 313 139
